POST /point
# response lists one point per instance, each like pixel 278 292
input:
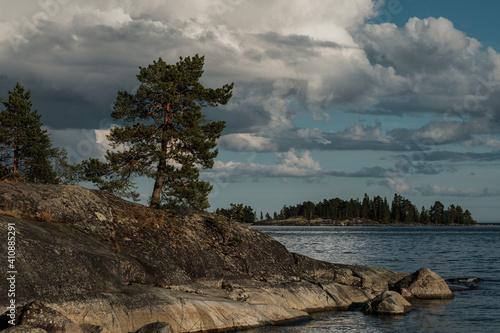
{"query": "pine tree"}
pixel 26 151
pixel 437 213
pixel 386 212
pixel 165 137
pixel 424 217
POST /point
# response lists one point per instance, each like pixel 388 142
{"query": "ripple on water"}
pixel 452 252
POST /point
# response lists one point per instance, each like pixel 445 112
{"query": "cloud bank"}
pixel 289 60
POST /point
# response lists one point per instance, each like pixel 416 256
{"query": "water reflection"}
pixel 451 252
pixel 432 306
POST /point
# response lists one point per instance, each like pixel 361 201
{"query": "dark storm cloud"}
pixel 307 61
pixel 75 70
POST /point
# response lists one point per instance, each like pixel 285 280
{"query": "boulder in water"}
pixel 388 303
pixel 424 284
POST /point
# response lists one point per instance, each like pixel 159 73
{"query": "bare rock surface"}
pixel 158 327
pixel 38 315
pixel 89 328
pixel 388 303
pixel 108 265
pixel 424 284
pixel 24 329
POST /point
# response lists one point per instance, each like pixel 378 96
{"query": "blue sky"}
pixel 335 99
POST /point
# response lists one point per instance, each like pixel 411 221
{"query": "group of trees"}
pixel 246 214
pixel 164 136
pixel 26 152
pixel 401 211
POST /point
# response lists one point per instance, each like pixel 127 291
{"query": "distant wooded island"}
pixel 376 210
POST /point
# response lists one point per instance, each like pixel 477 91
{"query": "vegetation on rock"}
pixel 26 152
pixel 247 214
pixel 165 136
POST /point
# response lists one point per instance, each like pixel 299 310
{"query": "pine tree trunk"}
pixel 158 187
pixel 16 161
pixel 160 178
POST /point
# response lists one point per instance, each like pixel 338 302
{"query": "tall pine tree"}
pixel 165 135
pixel 25 148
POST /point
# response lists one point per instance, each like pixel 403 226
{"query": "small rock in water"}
pixel 388 303
pixel 424 284
pixel 462 284
pixel 463 280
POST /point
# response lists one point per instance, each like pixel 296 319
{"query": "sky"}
pixel 333 98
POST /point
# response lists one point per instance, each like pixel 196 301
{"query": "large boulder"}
pixel 424 284
pixel 388 303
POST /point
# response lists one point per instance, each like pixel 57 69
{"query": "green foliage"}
pixel 401 211
pixel 235 241
pixel 26 152
pixel 247 215
pixel 107 177
pixel 165 136
pixel 217 225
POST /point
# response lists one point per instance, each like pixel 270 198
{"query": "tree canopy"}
pixel 164 136
pixel 400 211
pixel 26 152
pixel 247 214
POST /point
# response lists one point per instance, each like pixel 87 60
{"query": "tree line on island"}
pixel 400 211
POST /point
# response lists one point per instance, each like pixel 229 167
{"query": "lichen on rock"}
pixel 108 265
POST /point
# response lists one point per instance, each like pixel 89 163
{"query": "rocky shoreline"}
pixel 362 222
pixel 297 222
pixel 87 261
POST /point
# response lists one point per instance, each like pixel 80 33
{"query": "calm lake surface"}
pixel 452 252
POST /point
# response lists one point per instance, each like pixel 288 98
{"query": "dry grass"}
pixel 145 216
pixel 116 246
pixel 42 216
pixel 11 212
pixel 323 274
pixel 45 216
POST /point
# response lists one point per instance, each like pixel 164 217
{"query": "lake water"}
pixel 452 252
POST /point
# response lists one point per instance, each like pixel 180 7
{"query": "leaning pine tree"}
pixel 165 137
